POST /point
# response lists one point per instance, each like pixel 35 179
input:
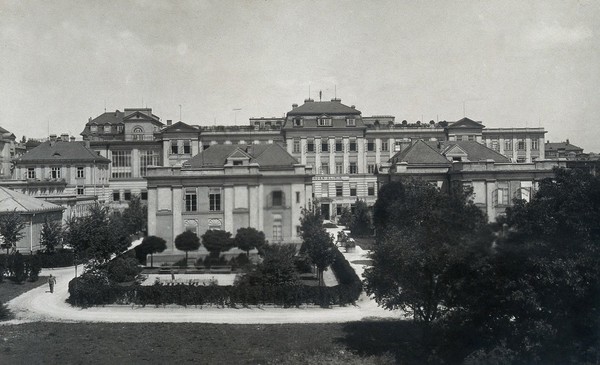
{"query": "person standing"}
pixel 51 282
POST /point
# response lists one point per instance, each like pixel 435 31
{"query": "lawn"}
pixel 10 289
pixel 162 343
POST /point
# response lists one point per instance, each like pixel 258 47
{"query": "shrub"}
pixel 5 313
pixel 123 269
pixel 329 225
pixel 59 258
pixel 180 263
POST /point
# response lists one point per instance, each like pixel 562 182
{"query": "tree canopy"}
pixel 149 246
pixel 51 235
pixel 11 229
pixel 135 215
pixel 249 238
pixel 187 241
pixel 360 221
pixel 316 242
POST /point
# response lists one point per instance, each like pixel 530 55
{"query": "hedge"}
pixel 85 292
pixel 19 267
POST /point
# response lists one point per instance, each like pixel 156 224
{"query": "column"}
pixel 378 151
pixel 254 209
pixel 152 207
pixel 195 147
pixel 332 153
pixel 317 167
pixel 361 162
pixel 289 144
pixel 177 196
pixel 303 150
pixel 514 148
pixel 135 162
pixel 501 142
pixel 489 201
pixel 528 149
pixel 345 149
pixel 542 147
pixel 261 208
pixel 391 147
pixel 165 151
pixel 228 208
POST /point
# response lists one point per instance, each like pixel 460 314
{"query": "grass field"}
pixel 156 343
pixel 10 290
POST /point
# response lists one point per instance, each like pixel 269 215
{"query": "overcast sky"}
pixel 509 63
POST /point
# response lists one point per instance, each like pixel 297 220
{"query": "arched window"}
pixel 138 133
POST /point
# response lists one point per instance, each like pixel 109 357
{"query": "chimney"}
pixel 64 137
pixel 336 100
pixel 352 106
pixel 309 100
pixel 72 139
pixel 169 121
pixel 567 141
pixel 52 139
pixel 294 106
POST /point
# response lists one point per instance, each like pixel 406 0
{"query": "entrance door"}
pixel 325 210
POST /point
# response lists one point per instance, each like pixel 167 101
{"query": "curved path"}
pixel 41 305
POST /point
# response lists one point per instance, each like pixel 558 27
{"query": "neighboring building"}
pixel 495 180
pixel 63 171
pixel 555 150
pixel 9 150
pixel 228 187
pixel 33 211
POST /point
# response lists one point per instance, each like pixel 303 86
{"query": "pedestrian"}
pixel 51 282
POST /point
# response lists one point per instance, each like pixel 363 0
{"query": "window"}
pixel 296 146
pixel 371 189
pixel 353 208
pixel 507 145
pixel 138 134
pixel 353 168
pixel 535 144
pixel 80 173
pixel 371 168
pixel 384 146
pixel 339 189
pixel 495 145
pixel 31 173
pixel 298 122
pixel 352 145
pixel 277 198
pixel 521 144
pixel 214 199
pixel 174 147
pixel 277 232
pixel 107 128
pixel 80 190
pixel 121 164
pixel 352 189
pixel 310 146
pixel 119 129
pixel 324 190
pixel 55 173
pixel 339 210
pixel 397 146
pixel 370 145
pixel 338 145
pixel 116 196
pixel 144 195
pixel 127 196
pixel 324 122
pixel 191 200
pixel 238 163
pixel 521 159
pixel 339 168
pixel 325 146
pixel 350 122
pixel 324 168
pixel 93 128
pixel 148 158
pixel 297 197
pixel 187 147
pixel 500 195
pixel 471 138
pixel 459 138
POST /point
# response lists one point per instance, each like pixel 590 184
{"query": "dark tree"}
pixel 277 268
pixel 360 223
pixel 346 217
pixel 217 241
pixel 51 235
pixel 249 238
pixel 420 260
pixel 187 241
pixel 11 229
pixel 136 215
pixel 149 246
pixel 317 243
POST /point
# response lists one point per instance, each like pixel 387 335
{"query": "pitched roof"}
pixel 108 118
pixel 334 107
pixel 466 123
pixel 180 127
pixel 420 153
pixel 62 151
pixel 11 201
pixel 553 146
pixel 272 155
pixel 475 151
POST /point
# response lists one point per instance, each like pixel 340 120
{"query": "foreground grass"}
pixel 162 343
pixel 10 290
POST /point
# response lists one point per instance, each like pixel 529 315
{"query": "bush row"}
pixel 96 289
pixel 18 267
pixel 60 258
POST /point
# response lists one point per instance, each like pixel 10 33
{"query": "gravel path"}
pixel 41 305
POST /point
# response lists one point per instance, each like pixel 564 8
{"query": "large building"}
pixel 227 187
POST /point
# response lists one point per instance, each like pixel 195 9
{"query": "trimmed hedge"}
pixel 18 267
pixel 85 291
pixel 61 258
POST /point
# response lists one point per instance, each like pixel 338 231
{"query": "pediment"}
pixel 466 123
pixel 180 127
pixel 238 154
pixel 455 151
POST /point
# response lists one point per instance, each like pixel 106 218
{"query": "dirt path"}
pixel 41 305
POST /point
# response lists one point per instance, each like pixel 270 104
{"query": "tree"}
pixel 51 235
pixel 216 241
pixel 360 223
pixel 135 215
pixel 150 245
pixel 11 229
pixel 346 217
pixel 277 268
pixel 317 243
pixel 249 238
pixel 421 261
pixel 187 241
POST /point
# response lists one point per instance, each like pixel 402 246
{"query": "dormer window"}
pixel 350 122
pixel 298 122
pixel 107 128
pixel 93 128
pixel 324 122
pixel 238 163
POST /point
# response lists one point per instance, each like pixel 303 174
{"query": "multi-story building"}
pixel 227 187
pixel 555 150
pixel 9 150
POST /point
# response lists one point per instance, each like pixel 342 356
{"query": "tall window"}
pixel 521 144
pixel 116 195
pixel 174 147
pixel 138 134
pixel 121 164
pixel 277 231
pixel 55 173
pixel 339 168
pixel 338 145
pixel 120 129
pixel 127 195
pixel 371 189
pixel 277 198
pixel 324 122
pixel 310 145
pixel 350 122
pixel 495 145
pixel 500 195
pixel 535 144
pixel 80 172
pixel 352 145
pixel 371 168
pixel 80 190
pixel 339 189
pixel 384 146
pixel 370 145
pixel 187 147
pixel 296 148
pixel 325 146
pixel 148 158
pixel 214 199
pixel 352 189
pixel 508 145
pixel 353 168
pixel 324 168
pixel 31 173
pixel 324 190
pixel 191 200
